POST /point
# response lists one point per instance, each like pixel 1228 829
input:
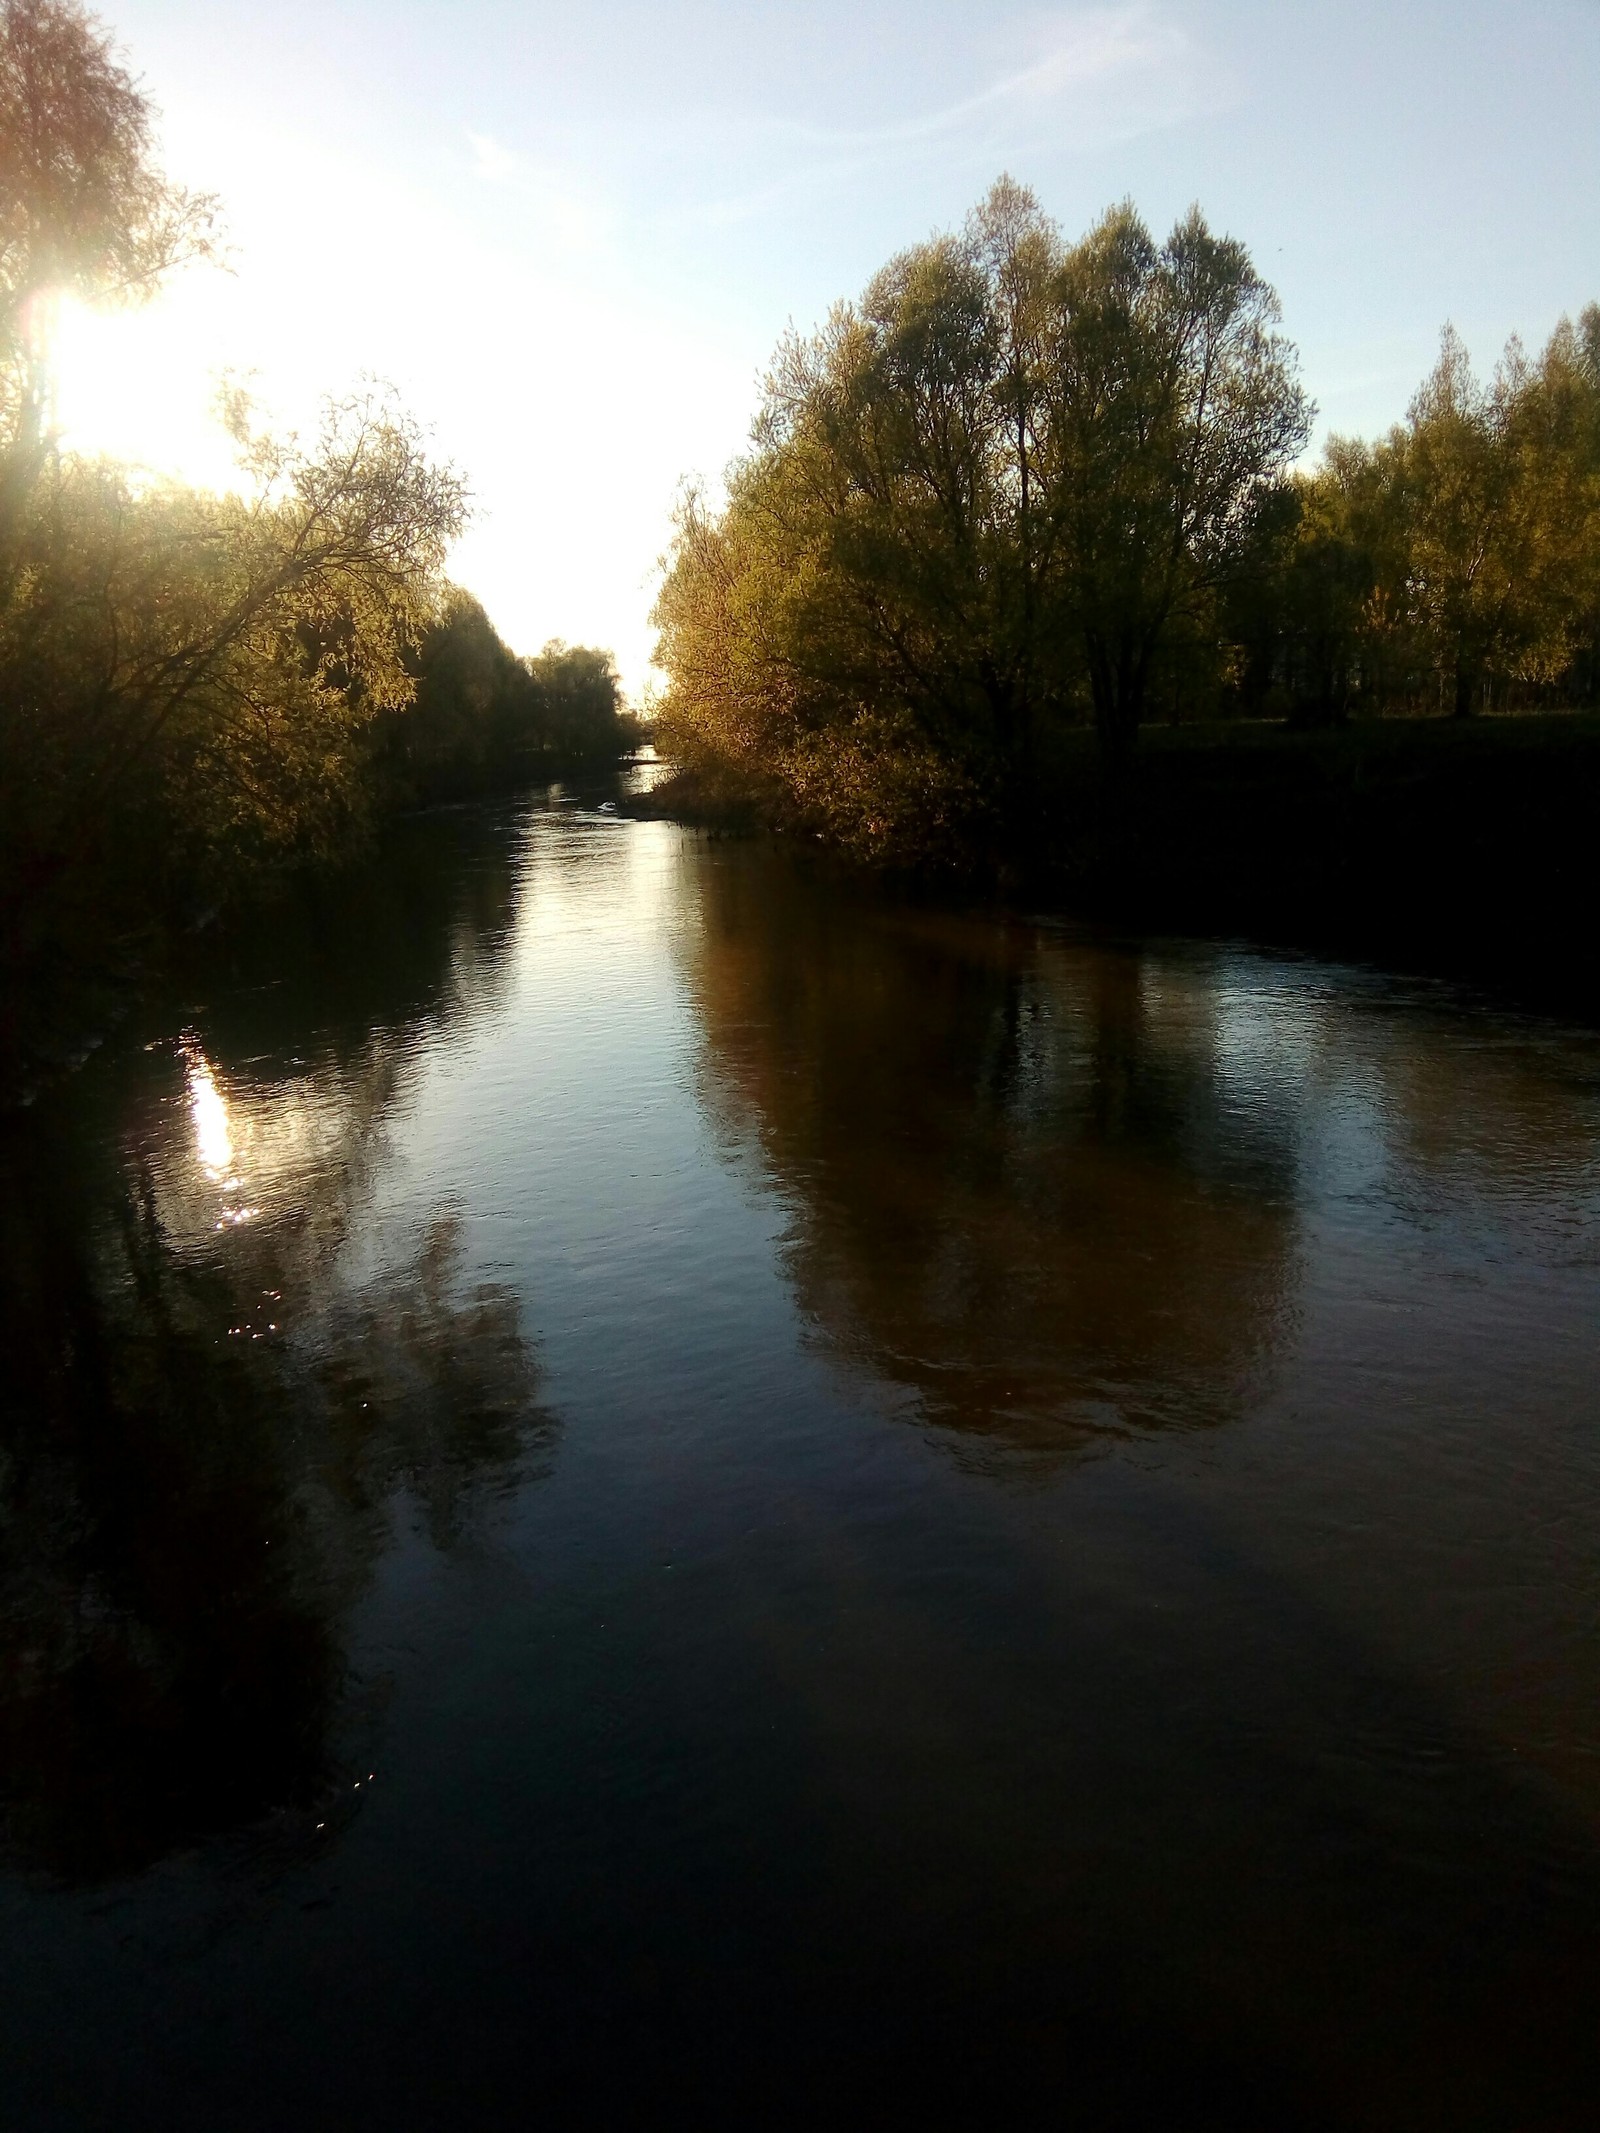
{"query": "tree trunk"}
pixel 1117 682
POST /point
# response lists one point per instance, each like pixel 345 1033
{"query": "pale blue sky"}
pixel 572 234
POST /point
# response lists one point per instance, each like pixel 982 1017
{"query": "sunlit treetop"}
pixel 85 209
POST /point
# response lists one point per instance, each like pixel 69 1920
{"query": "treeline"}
pixel 482 719
pixel 197 689
pixel 1452 567
pixel 1025 486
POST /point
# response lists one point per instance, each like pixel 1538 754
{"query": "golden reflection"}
pixel 213 1136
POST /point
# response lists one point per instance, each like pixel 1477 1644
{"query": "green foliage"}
pixel 195 688
pixel 482 719
pixel 457 735
pixel 1023 485
pixel 184 674
pixel 991 496
pixel 573 705
pixel 1457 562
pixel 181 675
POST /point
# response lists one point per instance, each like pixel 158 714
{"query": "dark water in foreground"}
pixel 638 1490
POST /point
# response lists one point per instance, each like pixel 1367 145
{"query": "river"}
pixel 642 1487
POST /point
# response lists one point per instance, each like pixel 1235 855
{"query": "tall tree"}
pixel 1478 523
pixel 1170 405
pixel 574 703
pixel 1467 538
pixel 85 208
pixel 1002 481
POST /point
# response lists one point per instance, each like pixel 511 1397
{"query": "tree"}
pixel 1323 602
pixel 1169 405
pixel 1466 538
pixel 470 724
pixel 1555 434
pixel 193 687
pixel 84 207
pixel 185 675
pixel 1479 520
pixel 1002 481
pixel 575 703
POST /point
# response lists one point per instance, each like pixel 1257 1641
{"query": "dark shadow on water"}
pixel 1022 1188
pixel 211 1423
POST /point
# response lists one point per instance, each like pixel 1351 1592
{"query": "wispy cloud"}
pixel 1089 78
pixel 1083 49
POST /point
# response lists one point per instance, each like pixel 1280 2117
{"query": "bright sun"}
pixel 139 386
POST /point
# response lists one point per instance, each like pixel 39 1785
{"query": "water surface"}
pixel 637 1487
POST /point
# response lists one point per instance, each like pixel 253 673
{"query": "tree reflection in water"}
pixel 212 1419
pixel 1027 1184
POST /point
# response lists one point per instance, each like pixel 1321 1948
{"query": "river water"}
pixel 639 1487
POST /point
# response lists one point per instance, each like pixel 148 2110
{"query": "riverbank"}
pixel 1460 849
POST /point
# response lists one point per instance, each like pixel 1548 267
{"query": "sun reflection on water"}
pixel 213 1133
pixel 213 1138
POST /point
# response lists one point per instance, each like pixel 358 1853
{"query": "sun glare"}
pixel 134 385
pixel 213 1137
